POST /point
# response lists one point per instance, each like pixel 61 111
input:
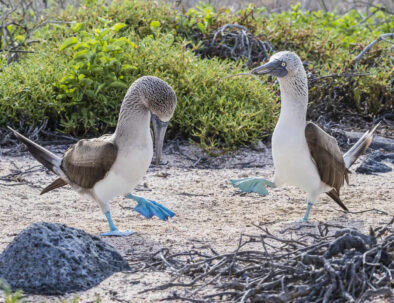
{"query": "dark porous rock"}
pixel 374 163
pixel 377 141
pixel 48 258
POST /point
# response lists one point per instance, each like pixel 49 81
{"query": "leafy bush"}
pixel 329 43
pixel 27 92
pixel 138 15
pixel 95 83
pixel 202 17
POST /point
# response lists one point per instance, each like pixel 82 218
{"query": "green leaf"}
pixel 68 42
pixel 81 56
pixel 103 20
pixel 77 27
pixel 104 32
pixel 87 82
pixel 20 38
pixel 201 27
pixel 118 26
pixel 90 94
pixel 81 45
pixel 128 67
pixel 118 84
pixel 133 45
pixel 154 25
pixel 99 88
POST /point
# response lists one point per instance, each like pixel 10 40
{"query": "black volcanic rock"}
pixel 48 258
pixel 374 163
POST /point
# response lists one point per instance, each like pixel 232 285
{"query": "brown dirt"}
pixel 209 211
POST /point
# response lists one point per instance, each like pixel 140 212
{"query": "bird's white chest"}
pixel 129 168
pixel 292 159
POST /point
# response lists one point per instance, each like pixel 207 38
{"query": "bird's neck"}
pixel 134 121
pixel 294 101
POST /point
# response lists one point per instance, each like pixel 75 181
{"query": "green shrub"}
pixel 202 17
pixel 329 43
pixel 27 91
pixel 93 88
pixel 138 15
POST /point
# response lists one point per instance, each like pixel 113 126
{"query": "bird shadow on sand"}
pixel 134 248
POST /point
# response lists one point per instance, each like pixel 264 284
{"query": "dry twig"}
pixel 336 264
pixel 234 41
pixel 369 46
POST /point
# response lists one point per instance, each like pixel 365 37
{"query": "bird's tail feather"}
pixel 359 147
pixel 55 184
pixel 44 156
pixel 335 196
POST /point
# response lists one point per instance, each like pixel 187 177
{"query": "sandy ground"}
pixel 209 211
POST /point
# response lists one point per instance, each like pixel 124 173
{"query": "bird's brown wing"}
pixel 88 161
pixel 328 158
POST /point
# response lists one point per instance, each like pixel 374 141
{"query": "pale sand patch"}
pixel 209 211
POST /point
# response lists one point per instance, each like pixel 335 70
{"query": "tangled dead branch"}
pixel 9 145
pixel 233 41
pixel 335 95
pixel 25 17
pixel 383 37
pixel 333 264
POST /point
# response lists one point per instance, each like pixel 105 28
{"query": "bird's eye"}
pixel 283 64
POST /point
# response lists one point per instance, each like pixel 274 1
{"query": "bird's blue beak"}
pixel 275 68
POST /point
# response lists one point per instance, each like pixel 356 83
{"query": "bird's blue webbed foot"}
pixel 253 185
pixel 114 231
pixel 149 208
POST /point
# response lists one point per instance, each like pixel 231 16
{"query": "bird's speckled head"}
pixel 282 64
pixel 157 96
pixel 148 94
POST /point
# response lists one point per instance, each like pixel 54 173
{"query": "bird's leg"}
pixel 255 185
pixel 308 209
pixel 114 231
pixel 112 226
pixel 149 208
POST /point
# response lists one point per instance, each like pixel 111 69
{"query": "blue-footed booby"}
pixel 304 155
pixel 111 165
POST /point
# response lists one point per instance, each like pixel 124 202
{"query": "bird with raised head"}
pixel 111 165
pixel 304 155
